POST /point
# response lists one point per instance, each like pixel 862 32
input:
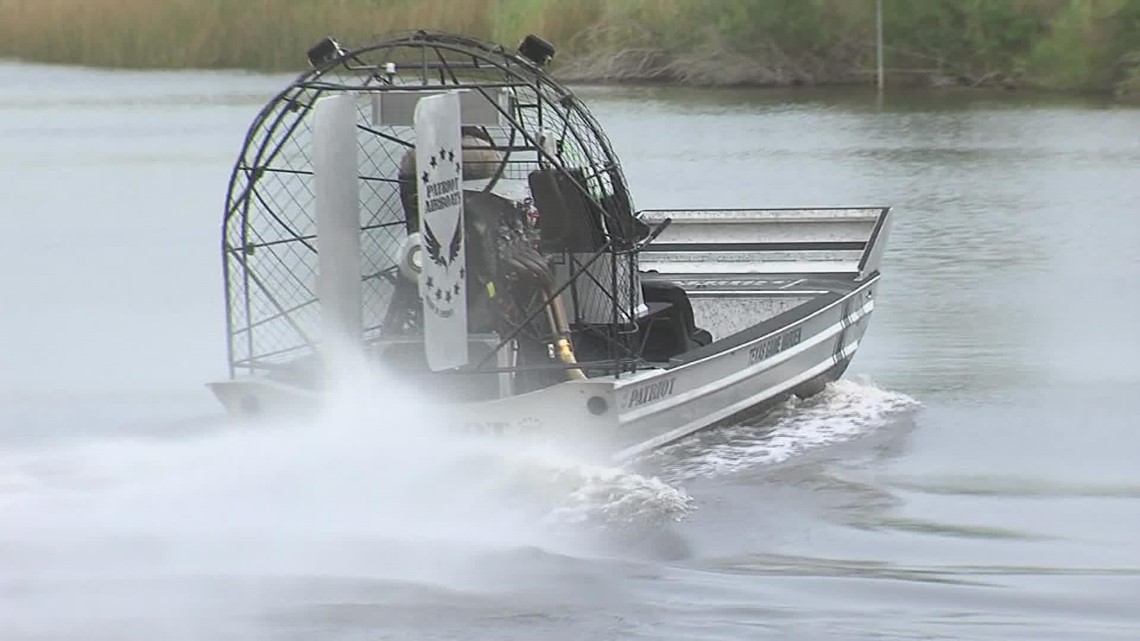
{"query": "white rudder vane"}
pixel 439 177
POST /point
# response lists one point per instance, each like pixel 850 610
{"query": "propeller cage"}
pixel 548 151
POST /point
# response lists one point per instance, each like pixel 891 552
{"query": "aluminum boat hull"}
pixel 815 287
pixel 626 416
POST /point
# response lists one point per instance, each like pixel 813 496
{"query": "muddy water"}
pixel 974 477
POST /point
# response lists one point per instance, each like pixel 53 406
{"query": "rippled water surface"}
pixel 975 476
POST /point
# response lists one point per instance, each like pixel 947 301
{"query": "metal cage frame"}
pixel 268 250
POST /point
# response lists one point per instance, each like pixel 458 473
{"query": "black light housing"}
pixel 324 52
pixel 536 50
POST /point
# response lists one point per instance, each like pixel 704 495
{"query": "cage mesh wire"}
pixel 270 251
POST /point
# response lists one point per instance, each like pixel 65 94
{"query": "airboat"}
pixel 445 209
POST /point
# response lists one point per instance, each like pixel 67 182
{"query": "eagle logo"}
pixel 442 192
pixel 434 249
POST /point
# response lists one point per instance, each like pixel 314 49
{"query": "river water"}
pixel 976 475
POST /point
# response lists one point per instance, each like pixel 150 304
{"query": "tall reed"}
pixel 1057 43
pixel 257 34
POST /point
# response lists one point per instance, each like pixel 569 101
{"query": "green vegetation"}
pixel 1062 44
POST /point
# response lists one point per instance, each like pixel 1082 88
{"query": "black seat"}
pixel 670 328
pixel 567 219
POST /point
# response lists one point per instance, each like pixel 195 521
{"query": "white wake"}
pixel 375 488
pixel 843 411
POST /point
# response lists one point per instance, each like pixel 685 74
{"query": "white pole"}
pixel 338 220
pixel 879 40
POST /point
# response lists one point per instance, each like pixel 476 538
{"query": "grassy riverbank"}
pixel 1061 44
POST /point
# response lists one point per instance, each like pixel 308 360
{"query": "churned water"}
pixel 974 476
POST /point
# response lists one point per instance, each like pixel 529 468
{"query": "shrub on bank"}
pixel 1069 44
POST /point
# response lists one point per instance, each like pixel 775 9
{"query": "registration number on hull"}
pixel 769 347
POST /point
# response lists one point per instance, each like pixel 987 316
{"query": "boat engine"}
pixel 508 277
